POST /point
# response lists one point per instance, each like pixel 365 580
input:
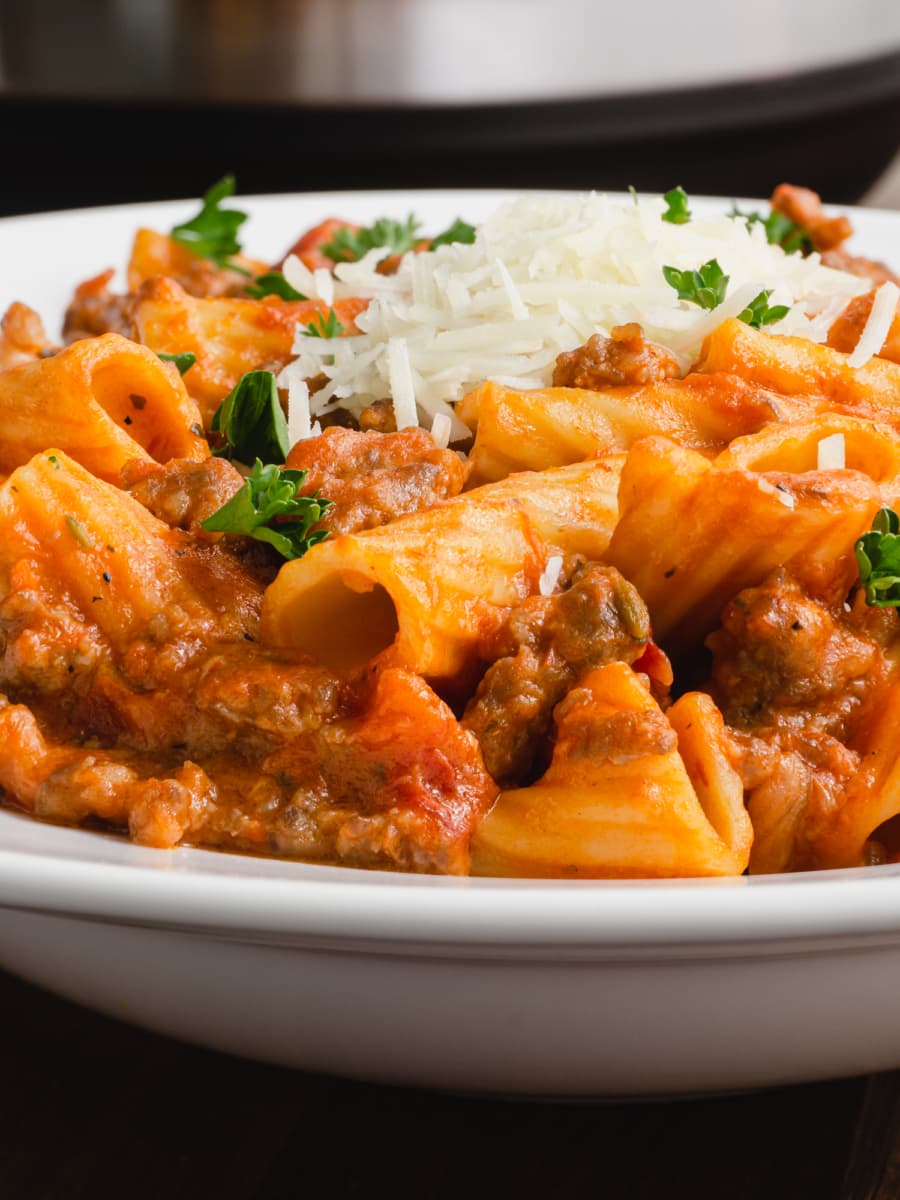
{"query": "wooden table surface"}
pixel 90 1108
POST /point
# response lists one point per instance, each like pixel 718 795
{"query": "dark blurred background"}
pixel 104 101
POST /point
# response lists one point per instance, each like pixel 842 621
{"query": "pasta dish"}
pixel 562 546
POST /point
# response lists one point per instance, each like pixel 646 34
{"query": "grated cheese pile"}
pixel 544 274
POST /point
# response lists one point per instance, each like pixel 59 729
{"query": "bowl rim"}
pixel 79 873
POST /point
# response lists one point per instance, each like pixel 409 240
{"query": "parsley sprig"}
pixel 325 325
pixel 251 421
pixel 268 509
pixel 212 233
pixel 349 245
pixel 780 230
pixel 706 286
pixel 677 212
pixel 878 558
pixel 759 313
pixel 459 231
pixel 183 362
pixel 272 283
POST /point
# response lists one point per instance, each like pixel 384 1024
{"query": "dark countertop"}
pixel 90 1108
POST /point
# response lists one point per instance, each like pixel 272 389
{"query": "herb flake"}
pixel 350 245
pixel 325 325
pixel 79 533
pixel 272 283
pixel 459 231
pixel 183 362
pixel 212 233
pixel 758 313
pixel 678 211
pixel 269 509
pixel 705 287
pixel 251 421
pixel 780 230
pixel 878 558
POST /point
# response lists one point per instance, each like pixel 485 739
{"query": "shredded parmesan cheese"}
pixel 516 303
pixel 324 285
pixel 401 381
pixel 877 326
pixel 550 575
pixel 298 411
pixel 831 453
pixel 440 430
pixel 543 274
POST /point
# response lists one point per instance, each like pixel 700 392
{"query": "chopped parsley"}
pixel 677 212
pixel 183 362
pixel 759 313
pixel 459 231
pixel 706 286
pixel 325 325
pixel 272 283
pixel 251 421
pixel 268 509
pixel 212 233
pixel 349 245
pixel 780 230
pixel 878 558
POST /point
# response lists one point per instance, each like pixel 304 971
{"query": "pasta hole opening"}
pixel 883 843
pixel 361 615
pixel 137 406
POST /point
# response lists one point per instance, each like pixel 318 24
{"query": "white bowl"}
pixel 566 988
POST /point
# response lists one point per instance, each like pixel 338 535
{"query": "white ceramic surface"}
pixel 544 988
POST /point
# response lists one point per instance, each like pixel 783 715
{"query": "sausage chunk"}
pixel 622 358
pixel 95 310
pixel 779 650
pixel 371 478
pixel 181 492
pixel 548 644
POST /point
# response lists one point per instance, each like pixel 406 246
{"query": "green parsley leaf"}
pixel 213 232
pixel 678 212
pixel 325 326
pixel 878 558
pixel 633 192
pixel 257 510
pixel 780 230
pixel 183 362
pixel 272 283
pixel 459 231
pixel 349 245
pixel 758 313
pixel 251 420
pixel 706 286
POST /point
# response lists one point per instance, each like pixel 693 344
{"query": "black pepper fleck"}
pixel 138 401
pixel 671 571
pixel 107 578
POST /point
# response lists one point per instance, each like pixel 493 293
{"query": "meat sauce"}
pixel 197 733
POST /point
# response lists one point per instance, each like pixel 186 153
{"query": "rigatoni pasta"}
pixel 623 605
